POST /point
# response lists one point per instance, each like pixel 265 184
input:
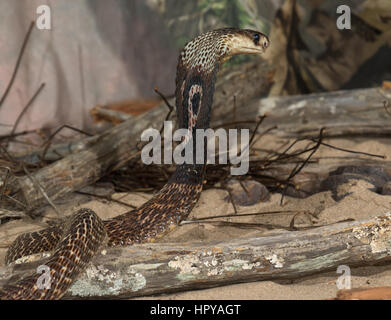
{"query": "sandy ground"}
pixel 360 202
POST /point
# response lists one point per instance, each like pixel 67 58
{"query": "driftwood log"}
pixel 359 112
pixel 151 269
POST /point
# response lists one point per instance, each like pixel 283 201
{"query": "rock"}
pixel 386 188
pixel 247 192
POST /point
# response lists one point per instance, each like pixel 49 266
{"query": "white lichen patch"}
pixel 186 265
pixel 238 264
pixel 277 262
pixel 298 105
pixel 214 272
pixel 137 281
pixel 378 236
pixel 100 273
pixel 97 281
pixel 144 266
pixel 100 281
pixel 209 263
pixel 266 105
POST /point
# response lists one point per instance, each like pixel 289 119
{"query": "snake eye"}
pixel 256 38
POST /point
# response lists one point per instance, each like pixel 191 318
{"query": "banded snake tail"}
pixel 75 242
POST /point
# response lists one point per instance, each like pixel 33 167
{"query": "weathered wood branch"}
pixel 357 112
pixel 4 214
pixel 157 268
pixel 113 116
pixel 348 112
pixel 57 151
pixel 232 91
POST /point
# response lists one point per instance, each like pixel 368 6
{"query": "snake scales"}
pixel 76 241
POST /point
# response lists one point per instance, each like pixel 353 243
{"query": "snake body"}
pixel 76 241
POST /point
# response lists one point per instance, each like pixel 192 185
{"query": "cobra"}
pixel 76 241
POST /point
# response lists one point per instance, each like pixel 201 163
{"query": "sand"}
pixel 361 202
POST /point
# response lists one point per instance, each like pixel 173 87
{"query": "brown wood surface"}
pixel 155 268
pixel 379 293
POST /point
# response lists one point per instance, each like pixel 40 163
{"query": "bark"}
pixel 157 268
pixel 359 112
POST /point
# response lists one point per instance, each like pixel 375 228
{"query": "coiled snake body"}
pixel 75 242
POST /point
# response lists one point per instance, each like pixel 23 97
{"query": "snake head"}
pixel 247 42
pixel 212 48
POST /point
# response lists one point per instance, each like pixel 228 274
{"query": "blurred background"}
pixel 116 52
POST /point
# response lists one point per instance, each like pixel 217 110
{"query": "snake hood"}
pixel 197 68
pixel 205 52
